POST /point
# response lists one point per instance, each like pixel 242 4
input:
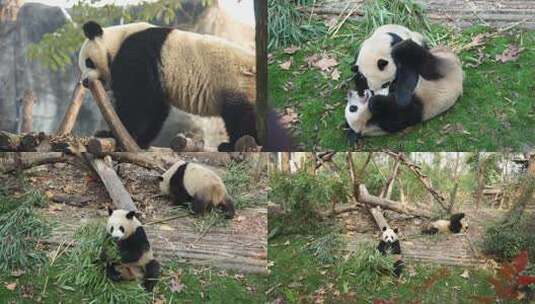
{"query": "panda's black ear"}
pixel 130 215
pixel 92 30
pixel 384 228
pixel 110 211
pixel 381 64
pixel 396 230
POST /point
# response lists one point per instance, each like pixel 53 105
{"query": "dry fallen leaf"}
pixel 176 286
pixel 286 65
pixel 465 274
pixel 164 227
pixel 11 286
pixel 335 75
pixel 511 53
pixel 291 50
pixel 325 63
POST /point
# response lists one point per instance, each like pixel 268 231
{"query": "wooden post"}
pixel 27 104
pixel 260 7
pixel 101 145
pixel 120 197
pixel 69 119
pixel 115 124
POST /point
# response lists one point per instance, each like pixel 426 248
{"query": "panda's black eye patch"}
pixel 353 108
pixel 121 228
pixel 90 64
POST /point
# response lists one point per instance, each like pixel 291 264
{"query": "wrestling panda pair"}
pixel 400 82
pixel 150 68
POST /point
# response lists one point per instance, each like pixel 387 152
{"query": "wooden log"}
pixel 120 197
pixel 69 119
pixel 137 158
pixel 365 197
pixel 29 160
pixel 115 124
pixel 27 105
pixel 98 145
pixel 182 143
pixel 380 220
pixel 31 142
pixel 9 142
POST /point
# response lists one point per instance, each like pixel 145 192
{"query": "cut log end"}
pixel 182 143
pixel 101 145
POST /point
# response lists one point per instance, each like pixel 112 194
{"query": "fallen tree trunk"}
pixel 120 197
pixel 69 119
pixel 115 124
pixel 365 197
pixel 379 218
pixel 136 158
pixel 29 160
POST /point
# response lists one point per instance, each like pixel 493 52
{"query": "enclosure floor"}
pixel 459 249
pixel 458 13
pixel 239 246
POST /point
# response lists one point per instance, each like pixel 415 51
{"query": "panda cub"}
pixel 389 244
pixel 137 260
pixel 456 224
pixel 189 182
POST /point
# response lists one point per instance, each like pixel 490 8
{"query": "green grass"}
pixel 297 276
pixel 76 276
pixel 496 110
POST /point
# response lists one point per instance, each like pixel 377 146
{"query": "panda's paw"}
pixel 225 147
pixel 104 134
pixel 112 273
pixel 352 137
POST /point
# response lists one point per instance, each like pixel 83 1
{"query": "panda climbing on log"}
pixel 409 85
pixel 150 68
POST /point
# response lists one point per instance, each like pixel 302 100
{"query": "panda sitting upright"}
pixel 389 244
pixel 456 224
pixel 137 260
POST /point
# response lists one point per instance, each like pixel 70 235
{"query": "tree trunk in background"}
pixel 455 177
pixel 284 162
pixel 260 7
pixel 479 179
pixel 27 104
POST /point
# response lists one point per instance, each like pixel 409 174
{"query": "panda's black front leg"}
pixel 379 104
pixel 112 273
pixel 239 116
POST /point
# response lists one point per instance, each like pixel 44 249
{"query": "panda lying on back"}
pixel 456 224
pixel 189 182
pixel 137 260
pixel 150 68
pixel 389 244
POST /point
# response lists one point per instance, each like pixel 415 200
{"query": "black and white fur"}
pixel 374 67
pixel 150 68
pixel 137 260
pixel 190 182
pixel 456 224
pixel 427 83
pixel 389 244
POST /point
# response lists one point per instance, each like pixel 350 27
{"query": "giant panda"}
pixel 374 67
pixel 190 182
pixel 456 224
pixel 389 244
pixel 137 259
pixel 430 84
pixel 150 68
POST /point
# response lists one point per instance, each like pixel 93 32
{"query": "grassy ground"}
pixel 496 111
pixel 298 277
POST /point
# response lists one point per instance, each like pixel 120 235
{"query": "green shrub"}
pixel 325 248
pixel 83 270
pixel 505 240
pixel 369 267
pixel 287 25
pixel 20 231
